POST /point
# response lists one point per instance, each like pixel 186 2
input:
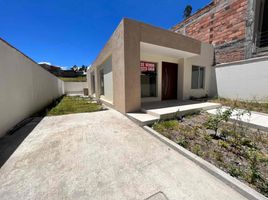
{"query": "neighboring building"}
pixel 71 73
pixel 52 69
pixel 143 63
pixel 57 71
pixel 238 29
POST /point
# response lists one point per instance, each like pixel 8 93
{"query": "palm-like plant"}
pixel 187 11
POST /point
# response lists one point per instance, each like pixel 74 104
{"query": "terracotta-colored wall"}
pixel 220 23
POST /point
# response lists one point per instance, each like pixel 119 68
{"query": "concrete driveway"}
pixel 102 155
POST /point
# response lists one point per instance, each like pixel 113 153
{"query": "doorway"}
pixel 169 80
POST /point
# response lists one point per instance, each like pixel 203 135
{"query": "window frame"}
pixel 198 78
pixel 156 79
pixel 101 81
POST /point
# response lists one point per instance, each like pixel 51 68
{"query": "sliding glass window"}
pixel 148 79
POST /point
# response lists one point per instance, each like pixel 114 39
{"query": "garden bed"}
pixel 236 149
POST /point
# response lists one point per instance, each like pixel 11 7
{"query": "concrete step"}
pixel 150 116
pixel 170 112
pixel 142 118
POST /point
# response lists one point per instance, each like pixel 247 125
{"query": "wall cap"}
pixel 241 62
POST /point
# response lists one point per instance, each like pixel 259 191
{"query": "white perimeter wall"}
pixel 25 87
pixel 75 87
pixel 245 80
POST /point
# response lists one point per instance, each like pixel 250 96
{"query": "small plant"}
pixel 177 115
pixel 254 159
pixel 234 170
pixel 218 156
pixel 182 141
pixel 197 150
pixel 207 138
pixel 225 133
pixel 214 121
pixel 248 143
pixel 223 144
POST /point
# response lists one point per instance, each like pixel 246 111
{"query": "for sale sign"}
pixel 147 66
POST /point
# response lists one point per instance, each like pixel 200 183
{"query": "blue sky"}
pixel 68 32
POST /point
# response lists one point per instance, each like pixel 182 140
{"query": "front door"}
pixel 169 80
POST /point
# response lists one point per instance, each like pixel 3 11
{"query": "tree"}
pixel 74 68
pixel 187 11
pixel 83 68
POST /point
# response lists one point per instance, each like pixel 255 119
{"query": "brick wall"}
pixel 221 23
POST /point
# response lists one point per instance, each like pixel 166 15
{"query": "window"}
pixel 101 82
pixel 261 25
pixel 92 83
pixel 198 74
pixel 106 80
pixel 148 79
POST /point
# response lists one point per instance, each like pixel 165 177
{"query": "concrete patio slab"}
pixel 102 155
pixel 253 119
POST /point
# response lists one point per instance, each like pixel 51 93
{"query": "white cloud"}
pixel 44 63
pixel 64 68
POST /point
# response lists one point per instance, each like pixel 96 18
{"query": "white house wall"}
pixel 204 60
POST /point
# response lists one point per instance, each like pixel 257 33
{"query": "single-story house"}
pixel 142 63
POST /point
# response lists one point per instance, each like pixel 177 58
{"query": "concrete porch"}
pixel 154 111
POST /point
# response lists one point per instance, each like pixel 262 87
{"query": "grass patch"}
pixel 74 79
pixel 248 105
pixel 238 150
pixel 69 105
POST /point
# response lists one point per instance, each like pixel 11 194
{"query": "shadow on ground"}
pixel 10 142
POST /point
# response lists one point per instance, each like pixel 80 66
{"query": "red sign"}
pixel 147 66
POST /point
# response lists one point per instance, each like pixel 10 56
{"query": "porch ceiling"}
pixel 147 48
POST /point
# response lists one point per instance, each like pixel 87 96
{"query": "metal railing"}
pixel 262 41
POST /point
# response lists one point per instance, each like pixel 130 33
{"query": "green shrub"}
pixel 223 144
pixel 217 155
pixel 234 170
pixel 214 121
pixel 197 149
pixel 182 142
pixel 166 125
pixel 254 159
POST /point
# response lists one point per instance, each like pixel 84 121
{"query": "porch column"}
pixel 132 66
